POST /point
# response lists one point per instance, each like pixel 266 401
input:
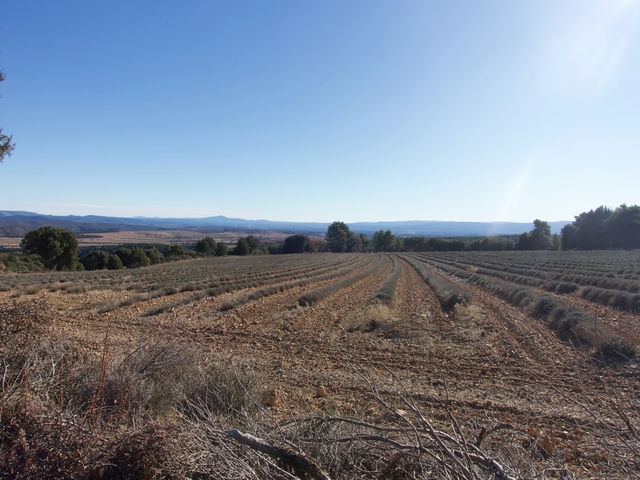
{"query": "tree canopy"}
pixel 603 228
pixel 6 141
pixel 242 247
pixel 537 239
pixel 385 241
pixel 206 246
pixel 58 248
pixel 296 244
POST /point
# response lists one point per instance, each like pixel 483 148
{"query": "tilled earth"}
pixel 488 365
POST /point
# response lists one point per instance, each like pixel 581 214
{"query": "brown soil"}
pixel 487 364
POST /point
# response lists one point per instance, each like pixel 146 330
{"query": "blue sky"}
pixel 319 111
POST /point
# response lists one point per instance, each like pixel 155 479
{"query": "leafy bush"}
pixel 20 262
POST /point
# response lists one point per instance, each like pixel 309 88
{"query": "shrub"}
pixel 313 296
pixel 614 349
pixel 386 291
pixel 114 263
pixel 544 306
pixel 449 295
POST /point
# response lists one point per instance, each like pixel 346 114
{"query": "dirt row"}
pixel 486 365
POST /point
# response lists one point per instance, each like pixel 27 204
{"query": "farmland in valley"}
pixel 527 357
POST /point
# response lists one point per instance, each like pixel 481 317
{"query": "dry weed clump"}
pixel 376 318
pixel 148 414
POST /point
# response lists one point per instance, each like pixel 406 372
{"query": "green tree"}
pixel 253 242
pixel 589 231
pixel 339 238
pixel 96 260
pixel 175 252
pixel 125 255
pixel 221 249
pixel 58 248
pixel 139 258
pixel 624 227
pixel 6 141
pixel 384 241
pixel 365 243
pixel 154 255
pixel 569 237
pixel 115 262
pixel 537 239
pixel 242 247
pixel 206 246
pixel 296 244
pixel 541 235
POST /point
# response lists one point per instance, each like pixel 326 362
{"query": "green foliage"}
pixel 222 249
pixel 340 238
pixel 253 242
pixel 176 252
pixel 20 262
pixel 488 244
pixel 250 245
pixel 154 255
pixel 58 248
pixel 603 228
pixel 6 141
pixel 114 263
pixel 365 243
pixel 139 259
pixel 385 242
pixel 296 244
pixel 422 244
pixel 624 227
pixel 124 254
pixel 242 247
pixel 537 239
pixel 6 145
pixel 206 246
pixel 96 260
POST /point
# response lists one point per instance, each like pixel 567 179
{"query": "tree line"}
pixel 602 228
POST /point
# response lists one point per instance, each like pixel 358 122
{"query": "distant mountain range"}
pixel 16 224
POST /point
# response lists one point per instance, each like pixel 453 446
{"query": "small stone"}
pixel 272 398
pixel 322 391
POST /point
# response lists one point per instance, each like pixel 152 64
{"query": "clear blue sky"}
pixel 321 110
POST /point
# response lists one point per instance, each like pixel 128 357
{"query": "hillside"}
pixel 18 223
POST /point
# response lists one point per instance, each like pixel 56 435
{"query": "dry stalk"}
pixel 98 392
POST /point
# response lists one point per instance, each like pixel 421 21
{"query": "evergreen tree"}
pixel 58 248
pixel 340 239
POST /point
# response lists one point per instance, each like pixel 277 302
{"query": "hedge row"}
pixel 448 293
pixel 387 290
pixel 568 321
pixel 315 295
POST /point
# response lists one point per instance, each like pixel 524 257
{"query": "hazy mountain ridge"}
pixel 14 223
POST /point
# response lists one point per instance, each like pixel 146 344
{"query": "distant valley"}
pixel 17 224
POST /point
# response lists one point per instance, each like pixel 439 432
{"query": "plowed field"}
pixel 489 365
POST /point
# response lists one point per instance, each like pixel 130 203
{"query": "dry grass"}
pixel 375 319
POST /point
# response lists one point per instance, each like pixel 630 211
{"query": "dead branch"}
pixel 300 464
